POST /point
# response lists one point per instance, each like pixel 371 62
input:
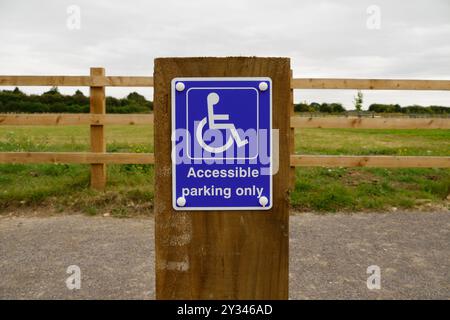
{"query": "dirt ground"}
pixel 329 256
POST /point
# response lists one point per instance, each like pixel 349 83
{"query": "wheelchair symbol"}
pixel 213 99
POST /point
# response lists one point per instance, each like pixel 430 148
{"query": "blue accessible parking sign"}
pixel 222 143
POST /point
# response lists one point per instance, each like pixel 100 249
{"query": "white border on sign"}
pixel 173 107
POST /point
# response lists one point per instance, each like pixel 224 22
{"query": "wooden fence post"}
pixel 217 254
pixel 98 106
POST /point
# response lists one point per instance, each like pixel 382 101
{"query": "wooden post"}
pixel 98 106
pixel 221 254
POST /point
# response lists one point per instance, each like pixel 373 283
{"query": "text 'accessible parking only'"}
pixel 222 143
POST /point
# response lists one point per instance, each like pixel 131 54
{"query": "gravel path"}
pixel 329 256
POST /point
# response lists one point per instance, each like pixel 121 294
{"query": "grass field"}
pixel 130 187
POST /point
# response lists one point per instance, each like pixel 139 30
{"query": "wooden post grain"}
pixel 98 106
pixel 221 254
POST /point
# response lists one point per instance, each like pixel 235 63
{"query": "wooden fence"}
pixel 97 119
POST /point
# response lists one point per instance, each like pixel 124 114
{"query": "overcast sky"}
pixel 328 38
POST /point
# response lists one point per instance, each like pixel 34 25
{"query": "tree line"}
pixel 375 108
pixel 53 101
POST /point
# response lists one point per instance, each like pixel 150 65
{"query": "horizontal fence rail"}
pixel 369 161
pixel 55 119
pixel 370 84
pixel 77 157
pixel 52 119
pixel 76 81
pixel 369 123
pixel 296 160
pixel 296 83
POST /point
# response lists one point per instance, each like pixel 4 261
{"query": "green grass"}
pixel 373 142
pixel 130 187
pixel 337 189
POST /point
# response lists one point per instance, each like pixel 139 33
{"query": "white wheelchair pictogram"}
pixel 213 99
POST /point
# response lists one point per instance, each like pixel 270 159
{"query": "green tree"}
pixel 315 106
pixel 78 93
pixel 337 108
pixel 302 107
pixel 385 108
pixel 53 90
pixel 136 97
pixel 325 108
pixel 17 91
pixel 358 102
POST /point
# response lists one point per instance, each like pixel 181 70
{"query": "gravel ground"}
pixel 329 256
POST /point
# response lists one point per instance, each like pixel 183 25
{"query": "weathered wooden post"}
pixel 98 106
pixel 237 254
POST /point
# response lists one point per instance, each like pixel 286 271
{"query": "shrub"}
pixel 54 101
